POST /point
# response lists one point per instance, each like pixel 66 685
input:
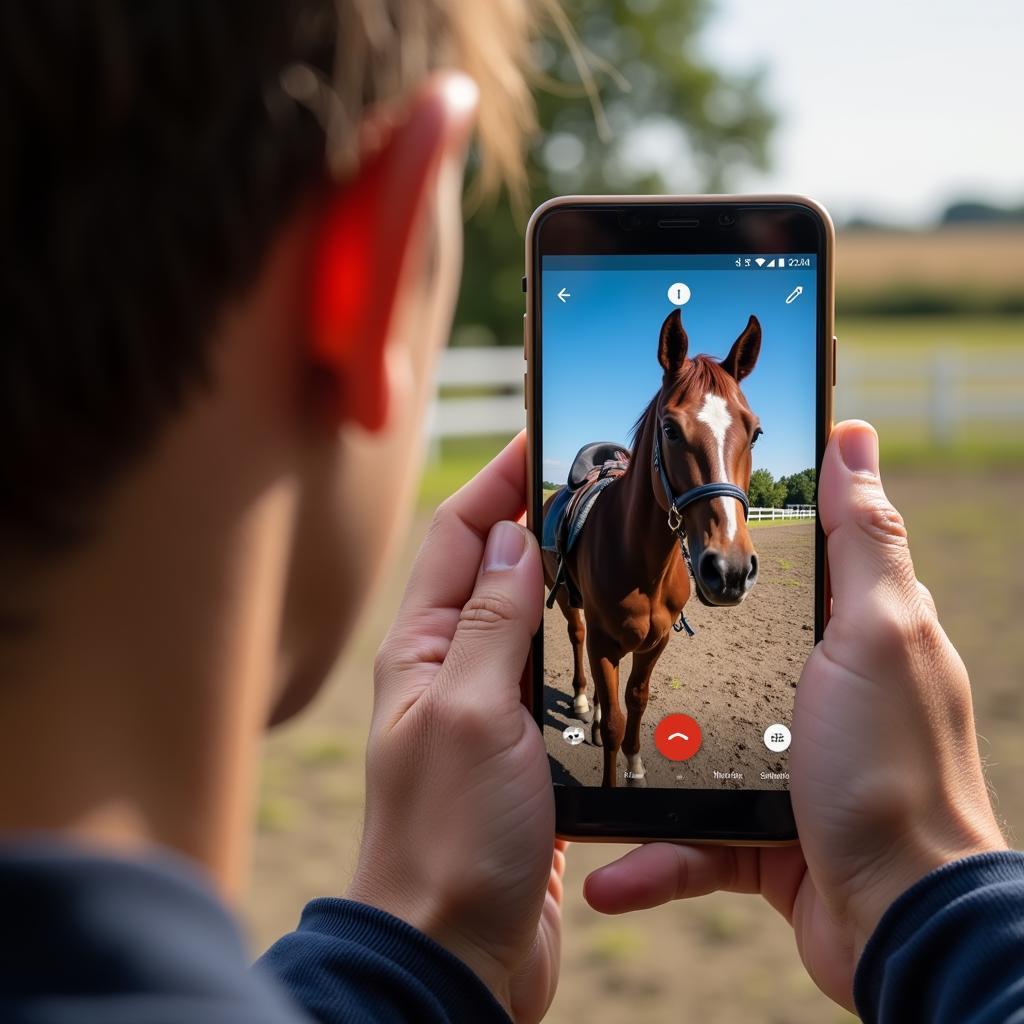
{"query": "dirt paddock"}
pixel 721 959
pixel 735 677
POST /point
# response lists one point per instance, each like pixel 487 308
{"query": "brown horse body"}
pixel 627 563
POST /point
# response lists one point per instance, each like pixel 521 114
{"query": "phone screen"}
pixel 678 451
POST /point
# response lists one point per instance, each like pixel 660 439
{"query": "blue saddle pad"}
pixel 582 511
pixel 552 518
pixel 557 509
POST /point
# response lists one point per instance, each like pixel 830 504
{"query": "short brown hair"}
pixel 149 151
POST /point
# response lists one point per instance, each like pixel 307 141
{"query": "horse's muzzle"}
pixel 725 581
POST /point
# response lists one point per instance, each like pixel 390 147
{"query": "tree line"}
pixel 797 489
pixel 767 492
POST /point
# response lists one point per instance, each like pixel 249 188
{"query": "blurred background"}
pixel 904 120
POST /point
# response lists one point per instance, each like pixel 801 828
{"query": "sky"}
pixel 600 354
pixel 890 109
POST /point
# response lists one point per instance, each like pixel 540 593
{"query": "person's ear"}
pixel 742 357
pixel 367 235
pixel 672 344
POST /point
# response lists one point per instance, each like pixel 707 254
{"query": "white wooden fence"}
pixel 473 369
pixel 941 392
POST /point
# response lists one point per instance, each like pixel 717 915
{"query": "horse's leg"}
pixel 637 690
pixel 577 636
pixel 577 632
pixel 595 725
pixel 608 718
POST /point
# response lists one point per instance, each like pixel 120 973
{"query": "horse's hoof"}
pixel 636 781
pixel 581 708
pixel 595 737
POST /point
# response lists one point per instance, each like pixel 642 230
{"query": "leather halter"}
pixel 717 488
pixel 678 502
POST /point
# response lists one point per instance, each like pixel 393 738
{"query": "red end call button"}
pixel 678 737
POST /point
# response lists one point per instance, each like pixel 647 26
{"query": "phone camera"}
pixel 726 220
pixel 635 220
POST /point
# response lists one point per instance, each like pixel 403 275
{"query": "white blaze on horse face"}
pixel 715 414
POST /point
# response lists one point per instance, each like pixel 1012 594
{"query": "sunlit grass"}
pixel 767 524
pixel 324 750
pixel 456 461
pixel 616 943
pixel 277 813
pixel 928 331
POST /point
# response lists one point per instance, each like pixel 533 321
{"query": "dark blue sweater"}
pixel 95 940
pixel 91 940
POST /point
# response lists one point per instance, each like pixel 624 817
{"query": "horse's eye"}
pixel 757 433
pixel 671 431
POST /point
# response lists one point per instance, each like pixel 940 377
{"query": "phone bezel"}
pixel 679 225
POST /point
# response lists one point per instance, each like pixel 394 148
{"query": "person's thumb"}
pixel 492 639
pixel 870 569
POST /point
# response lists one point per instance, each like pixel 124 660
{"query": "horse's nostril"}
pixel 752 571
pixel 712 572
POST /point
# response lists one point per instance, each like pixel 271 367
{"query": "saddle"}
pixel 596 466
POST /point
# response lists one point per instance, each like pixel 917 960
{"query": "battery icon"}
pixel 782 262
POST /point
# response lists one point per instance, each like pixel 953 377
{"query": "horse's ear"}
pixel 742 357
pixel 673 343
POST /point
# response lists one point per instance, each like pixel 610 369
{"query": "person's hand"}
pixel 885 774
pixel 459 830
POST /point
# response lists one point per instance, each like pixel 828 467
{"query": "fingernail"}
pixel 859 448
pixel 505 547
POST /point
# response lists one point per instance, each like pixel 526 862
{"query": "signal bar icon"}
pixel 771 263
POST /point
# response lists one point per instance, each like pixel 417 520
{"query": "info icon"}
pixel 678 293
pixel 678 737
pixel 777 738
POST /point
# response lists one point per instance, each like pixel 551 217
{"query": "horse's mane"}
pixel 702 372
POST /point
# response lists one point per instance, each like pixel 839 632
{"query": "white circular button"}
pixel 573 735
pixel 777 738
pixel 678 294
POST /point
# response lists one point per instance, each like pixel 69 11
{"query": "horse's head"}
pixel 706 432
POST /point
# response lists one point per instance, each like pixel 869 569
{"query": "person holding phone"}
pixel 216 359
pixel 902 875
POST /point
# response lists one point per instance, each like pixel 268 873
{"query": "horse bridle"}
pixel 678 502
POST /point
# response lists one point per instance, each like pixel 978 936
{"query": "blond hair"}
pixel 149 198
pixel 385 47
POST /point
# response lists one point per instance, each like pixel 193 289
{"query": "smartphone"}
pixel 680 369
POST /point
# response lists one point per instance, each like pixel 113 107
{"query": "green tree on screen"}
pixel 800 487
pixel 667 121
pixel 762 489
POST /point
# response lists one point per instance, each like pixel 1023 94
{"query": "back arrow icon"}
pixel 563 295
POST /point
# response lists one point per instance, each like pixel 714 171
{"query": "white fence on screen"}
pixel 802 512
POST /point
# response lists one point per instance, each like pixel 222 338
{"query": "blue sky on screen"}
pixel 600 354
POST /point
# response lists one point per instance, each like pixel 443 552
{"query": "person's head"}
pixel 231 247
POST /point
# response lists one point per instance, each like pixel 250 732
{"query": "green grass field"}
pixel 976 332
pixel 460 458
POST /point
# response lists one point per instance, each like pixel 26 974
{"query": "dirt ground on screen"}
pixel 736 677
pixel 722 959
